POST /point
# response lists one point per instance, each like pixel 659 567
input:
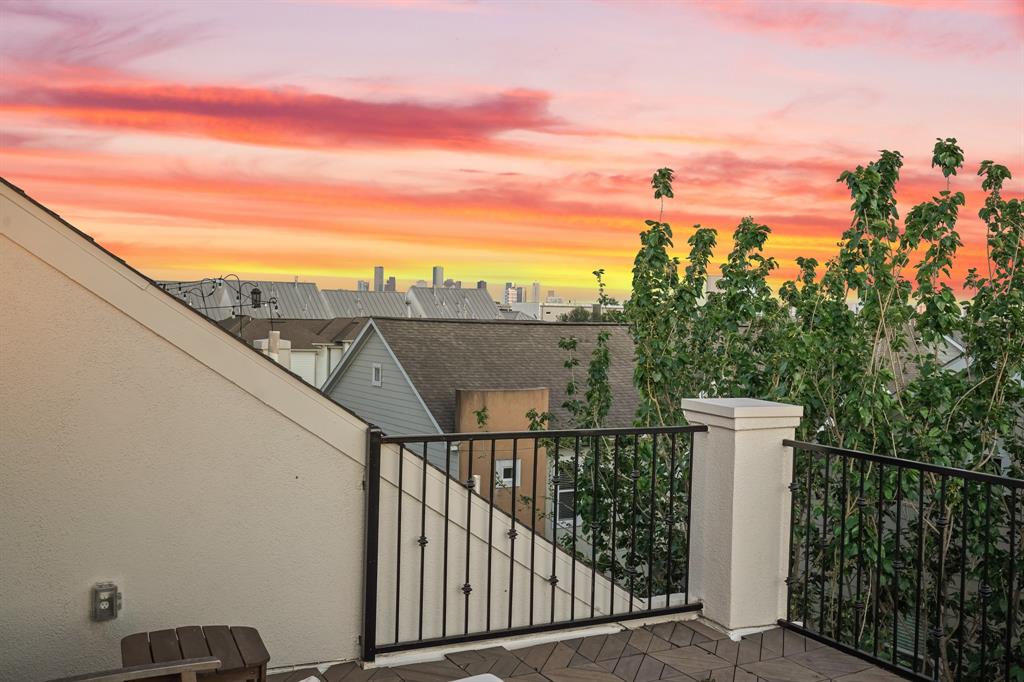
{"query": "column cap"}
pixel 741 414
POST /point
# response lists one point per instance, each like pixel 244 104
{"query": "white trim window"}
pixel 503 472
pixel 376 374
pixel 564 508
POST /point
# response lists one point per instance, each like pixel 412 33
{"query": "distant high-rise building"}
pixel 481 284
pixel 438 276
pixel 520 295
pixel 510 285
pixel 509 296
pixel 362 285
pixel 378 278
pixel 421 283
pixel 391 285
pixel 453 283
pixel 536 292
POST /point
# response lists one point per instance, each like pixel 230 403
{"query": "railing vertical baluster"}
pixel 689 508
pixel 490 529
pixel 650 526
pixel 512 531
pixel 575 515
pixel 371 541
pixel 985 589
pixel 807 544
pixel 790 564
pixel 593 523
pixel 423 538
pixel 615 514
pixel 876 616
pixel 1011 584
pixel 635 475
pixel 533 521
pixel 670 517
pixel 940 581
pixel 920 570
pixel 556 479
pixel 398 542
pixel 444 570
pixel 859 609
pixel 961 616
pixel 467 588
pixel 824 542
pixel 897 565
pixel 837 628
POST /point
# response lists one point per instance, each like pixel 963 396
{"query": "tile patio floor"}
pixel 678 651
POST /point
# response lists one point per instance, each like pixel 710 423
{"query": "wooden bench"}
pixel 239 651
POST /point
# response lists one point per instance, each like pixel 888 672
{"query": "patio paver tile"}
pixel 782 670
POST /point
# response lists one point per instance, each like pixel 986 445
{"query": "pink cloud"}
pixel 73 36
pixel 890 23
pixel 285 117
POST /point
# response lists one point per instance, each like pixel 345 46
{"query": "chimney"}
pixel 279 350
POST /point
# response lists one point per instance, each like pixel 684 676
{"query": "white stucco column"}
pixel 741 508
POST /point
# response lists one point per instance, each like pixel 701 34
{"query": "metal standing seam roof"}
pixel 295 300
pixel 453 304
pixel 216 306
pixel 345 303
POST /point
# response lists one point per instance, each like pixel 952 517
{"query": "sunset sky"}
pixel 503 140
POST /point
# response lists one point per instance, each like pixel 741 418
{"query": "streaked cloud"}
pixel 507 142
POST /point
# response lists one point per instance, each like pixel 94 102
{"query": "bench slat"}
pixel 192 642
pixel 147 672
pixel 135 650
pixel 164 646
pixel 250 645
pixel 222 645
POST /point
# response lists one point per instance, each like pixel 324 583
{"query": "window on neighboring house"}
pixel 375 379
pixel 563 508
pixel 505 473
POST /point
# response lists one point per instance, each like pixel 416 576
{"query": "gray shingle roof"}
pixel 365 303
pixel 441 356
pixel 303 334
pixel 454 304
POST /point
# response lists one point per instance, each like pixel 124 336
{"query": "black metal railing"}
pixel 478 535
pixel 913 566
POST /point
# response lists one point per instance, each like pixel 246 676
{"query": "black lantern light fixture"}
pixel 246 298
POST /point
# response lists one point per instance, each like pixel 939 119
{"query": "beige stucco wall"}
pixel 506 411
pixel 140 444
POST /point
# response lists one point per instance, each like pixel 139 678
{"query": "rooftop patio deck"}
pixel 681 651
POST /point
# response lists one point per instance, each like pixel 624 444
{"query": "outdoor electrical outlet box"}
pixel 106 601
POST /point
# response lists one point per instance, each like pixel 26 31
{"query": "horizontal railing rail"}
pixel 494 534
pixel 914 566
pixel 563 433
pixel 909 464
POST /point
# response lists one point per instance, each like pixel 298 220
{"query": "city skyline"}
pixel 381 281
pixel 178 145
